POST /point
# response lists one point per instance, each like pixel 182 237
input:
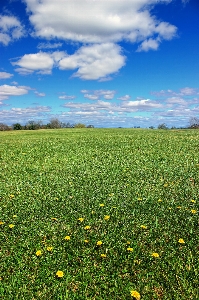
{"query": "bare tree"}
pixel 194 122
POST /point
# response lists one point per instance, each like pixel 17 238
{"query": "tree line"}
pixel 56 124
pixel 35 125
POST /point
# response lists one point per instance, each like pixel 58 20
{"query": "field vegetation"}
pixel 99 214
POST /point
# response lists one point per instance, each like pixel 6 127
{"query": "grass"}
pixel 114 210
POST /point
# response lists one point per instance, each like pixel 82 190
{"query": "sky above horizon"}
pixel 107 63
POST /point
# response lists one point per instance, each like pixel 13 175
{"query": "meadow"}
pixel 99 214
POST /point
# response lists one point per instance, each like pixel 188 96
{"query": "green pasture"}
pixel 99 214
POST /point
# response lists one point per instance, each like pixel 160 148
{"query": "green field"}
pixel 115 210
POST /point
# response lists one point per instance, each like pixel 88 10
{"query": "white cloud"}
pixel 149 44
pixel 94 61
pixel 188 91
pixel 67 97
pixel 9 90
pixel 10 29
pixel 100 21
pixel 40 94
pixel 49 45
pixel 124 98
pixel 5 75
pixel 40 62
pixel 96 94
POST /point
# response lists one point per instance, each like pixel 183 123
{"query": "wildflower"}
pixel 12 196
pixel 155 254
pixel 101 205
pixel 166 184
pixel 103 255
pixel 143 227
pixel 60 274
pixel 106 218
pixel 86 241
pixel 193 211
pixel 54 219
pixel 49 249
pixel 159 200
pixel 14 216
pixel 111 194
pixel 81 219
pixel 38 253
pixel 87 227
pixel 140 199
pixel 99 243
pixel 135 294
pixel 1 223
pixel 67 238
pixel 181 241
pixel 193 201
pixel 11 226
pixel 129 249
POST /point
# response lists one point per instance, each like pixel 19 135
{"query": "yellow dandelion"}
pixel 103 255
pixel 38 253
pixel 106 218
pixel 81 219
pixel 143 227
pixel 67 238
pixel 11 226
pixel 193 211
pixel 60 274
pixel 86 241
pixel 139 199
pixel 87 227
pixel 1 223
pixel 12 196
pixel 49 249
pixel 181 241
pixel 15 216
pixel 193 201
pixel 136 295
pixel 129 249
pixel 99 243
pixel 159 200
pixel 155 254
pixel 101 205
pixel 54 219
pixel 178 207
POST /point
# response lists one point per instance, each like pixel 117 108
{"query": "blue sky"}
pixel 108 63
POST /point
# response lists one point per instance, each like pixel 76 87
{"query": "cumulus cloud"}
pixel 99 21
pixel 41 62
pixel 67 97
pixel 149 44
pixel 40 94
pixel 10 29
pixel 124 98
pixel 49 45
pixel 9 90
pixel 5 75
pixel 94 61
pixel 97 94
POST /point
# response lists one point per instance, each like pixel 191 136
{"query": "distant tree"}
pixel 151 127
pixel 80 125
pixel 33 125
pixel 162 126
pixel 194 122
pixel 54 123
pixel 17 126
pixel 90 126
pixel 4 127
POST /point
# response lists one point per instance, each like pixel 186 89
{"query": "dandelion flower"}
pixel 140 199
pixel 193 201
pixel 38 253
pixel 60 274
pixel 86 241
pixel 106 218
pixel 54 219
pixel 12 196
pixel 67 238
pixel 135 294
pixel 155 254
pixel 11 226
pixel 101 205
pixel 99 243
pixel 49 249
pixel 14 216
pixel 1 223
pixel 193 211
pixel 178 207
pixel 103 255
pixel 81 219
pixel 181 241
pixel 87 227
pixel 143 227
pixel 159 200
pixel 129 249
